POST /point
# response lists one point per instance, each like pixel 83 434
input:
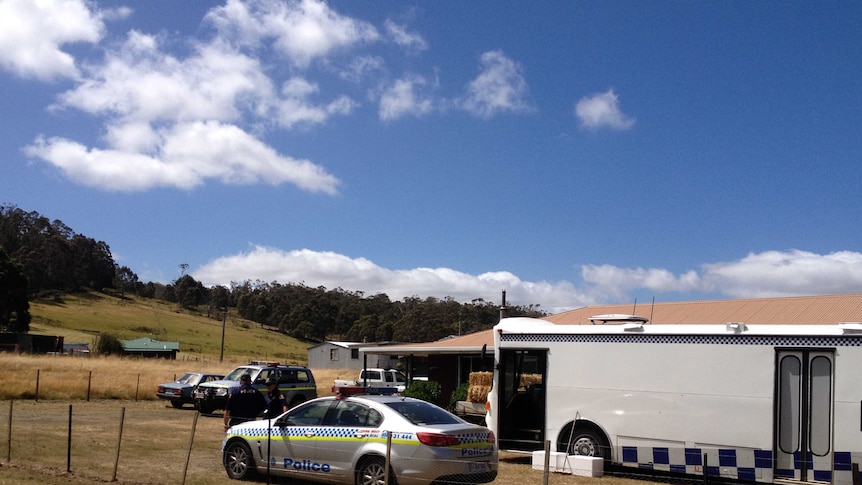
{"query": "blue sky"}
pixel 570 153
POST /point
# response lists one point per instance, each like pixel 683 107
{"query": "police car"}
pixel 344 440
pixel 295 382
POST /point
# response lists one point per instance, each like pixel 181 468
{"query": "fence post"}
pixel 547 469
pixel 9 437
pixel 89 383
pixel 69 444
pixel 191 441
pixel 137 386
pixel 119 440
pixel 37 384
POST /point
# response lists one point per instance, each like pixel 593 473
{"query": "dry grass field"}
pixel 154 445
pixel 126 378
pixel 153 448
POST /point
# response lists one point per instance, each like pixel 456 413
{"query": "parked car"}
pixel 374 378
pixel 344 440
pixel 295 382
pixel 181 391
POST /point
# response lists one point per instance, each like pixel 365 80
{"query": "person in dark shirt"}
pixel 244 404
pixel 276 402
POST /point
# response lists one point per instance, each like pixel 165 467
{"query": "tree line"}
pixel 40 258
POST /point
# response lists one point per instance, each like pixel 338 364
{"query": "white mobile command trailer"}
pixel 758 403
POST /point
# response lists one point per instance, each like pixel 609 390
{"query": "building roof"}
pixel 470 343
pixel 147 344
pixel 818 310
pixel 351 345
pixel 344 345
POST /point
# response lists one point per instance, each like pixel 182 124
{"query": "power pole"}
pixel 223 324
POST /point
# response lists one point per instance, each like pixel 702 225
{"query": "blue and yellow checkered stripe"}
pixel 334 433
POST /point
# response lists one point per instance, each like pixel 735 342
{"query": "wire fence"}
pixel 141 442
pixel 148 442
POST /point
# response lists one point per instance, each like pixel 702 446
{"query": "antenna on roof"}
pixel 651 308
pixel 634 312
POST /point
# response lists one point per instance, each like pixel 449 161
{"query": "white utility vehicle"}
pixel 374 378
pixel 759 403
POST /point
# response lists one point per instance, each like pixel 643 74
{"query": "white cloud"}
pixel 141 82
pixel 612 284
pixel 758 275
pixel 33 33
pixel 294 107
pixel 402 99
pixel 771 273
pixel 302 30
pixel 602 110
pixel 188 154
pixel 411 41
pixel 151 103
pixel 791 273
pixel 500 87
pixel 361 67
pixel 333 270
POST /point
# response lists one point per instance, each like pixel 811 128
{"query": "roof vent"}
pixel 735 327
pixel 617 318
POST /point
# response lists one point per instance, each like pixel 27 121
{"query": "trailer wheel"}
pixel 584 440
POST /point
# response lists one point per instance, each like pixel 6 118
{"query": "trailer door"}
pixel 521 399
pixel 803 414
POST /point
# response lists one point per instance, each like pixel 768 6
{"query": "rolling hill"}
pixel 81 317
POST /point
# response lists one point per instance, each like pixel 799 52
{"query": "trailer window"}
pixel 790 373
pixel 821 403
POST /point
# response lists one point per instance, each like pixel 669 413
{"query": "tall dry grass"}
pixel 113 377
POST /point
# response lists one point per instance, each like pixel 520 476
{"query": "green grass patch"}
pixel 80 317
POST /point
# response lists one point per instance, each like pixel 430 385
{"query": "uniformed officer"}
pixel 244 404
pixel 276 402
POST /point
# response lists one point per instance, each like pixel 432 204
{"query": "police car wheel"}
pixel 372 472
pixel 238 461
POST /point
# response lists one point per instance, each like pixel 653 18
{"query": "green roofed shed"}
pixel 150 347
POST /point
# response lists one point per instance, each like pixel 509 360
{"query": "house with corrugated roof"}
pixel 346 355
pixel 150 347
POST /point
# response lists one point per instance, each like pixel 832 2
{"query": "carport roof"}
pixel 465 344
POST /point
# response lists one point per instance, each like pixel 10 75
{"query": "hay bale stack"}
pixel 528 380
pixel 480 386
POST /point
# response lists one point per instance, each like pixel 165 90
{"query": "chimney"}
pixel 504 310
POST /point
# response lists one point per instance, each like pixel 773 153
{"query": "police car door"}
pixel 294 439
pixel 345 436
